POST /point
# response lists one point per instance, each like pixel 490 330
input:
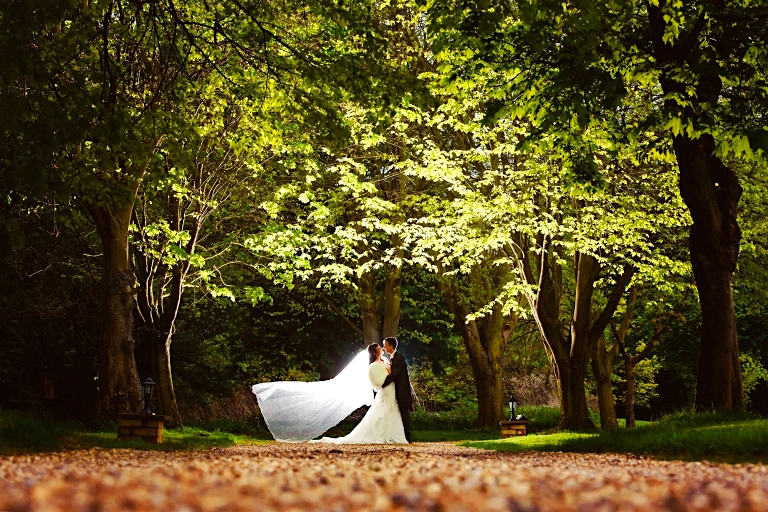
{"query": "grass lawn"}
pixel 177 439
pixel 197 439
pixel 23 433
pixel 684 436
pixel 434 436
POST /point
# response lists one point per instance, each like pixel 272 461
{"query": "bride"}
pixel 301 411
pixel 382 423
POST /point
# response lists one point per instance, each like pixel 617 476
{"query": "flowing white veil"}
pixel 300 411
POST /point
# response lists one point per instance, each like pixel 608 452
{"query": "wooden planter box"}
pixel 148 427
pixel 514 428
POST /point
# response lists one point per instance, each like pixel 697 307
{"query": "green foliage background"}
pixel 317 143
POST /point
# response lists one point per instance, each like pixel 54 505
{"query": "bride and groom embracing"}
pixel 301 411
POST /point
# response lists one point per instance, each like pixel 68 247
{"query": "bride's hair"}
pixel 372 352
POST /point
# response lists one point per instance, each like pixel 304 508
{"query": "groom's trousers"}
pixel 405 414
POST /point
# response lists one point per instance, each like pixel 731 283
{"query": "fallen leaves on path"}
pixel 428 476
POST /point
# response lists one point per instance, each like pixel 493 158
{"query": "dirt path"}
pixel 433 476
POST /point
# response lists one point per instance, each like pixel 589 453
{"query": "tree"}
pixel 538 213
pixel 485 337
pixel 338 231
pixel 92 102
pixel 50 288
pixel 339 213
pixel 602 360
pixel 572 354
pixel 560 66
pixel 90 108
pixel 204 171
pixel 661 324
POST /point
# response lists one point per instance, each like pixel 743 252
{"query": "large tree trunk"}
pixel 486 369
pixel 484 339
pixel 154 359
pixel 573 399
pixel 602 367
pixel 629 400
pixel 369 309
pixel 119 390
pixel 575 413
pixel 374 326
pixel 711 191
pixel 392 310
pixel 165 396
pixel 571 355
pixel 608 420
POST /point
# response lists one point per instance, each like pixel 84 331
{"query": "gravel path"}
pixel 426 476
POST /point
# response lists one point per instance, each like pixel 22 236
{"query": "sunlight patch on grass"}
pixel 179 439
pixel 684 436
pixel 26 433
pixel 537 442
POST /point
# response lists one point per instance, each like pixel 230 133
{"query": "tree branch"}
pixel 599 326
pixel 340 313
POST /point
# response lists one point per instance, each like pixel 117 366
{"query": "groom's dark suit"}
pixel 399 376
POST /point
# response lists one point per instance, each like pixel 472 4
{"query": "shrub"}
pixel 22 432
pixel 463 416
pixel 752 372
pixel 441 392
pixel 543 418
pixel 253 426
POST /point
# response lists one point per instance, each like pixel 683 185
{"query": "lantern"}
pixel 147 388
pixel 512 407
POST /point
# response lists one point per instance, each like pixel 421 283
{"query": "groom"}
pixel 399 376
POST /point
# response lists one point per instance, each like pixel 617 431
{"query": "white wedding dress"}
pixel 301 411
pixel 382 423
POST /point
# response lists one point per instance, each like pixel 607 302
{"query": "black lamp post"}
pixel 512 407
pixel 148 389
